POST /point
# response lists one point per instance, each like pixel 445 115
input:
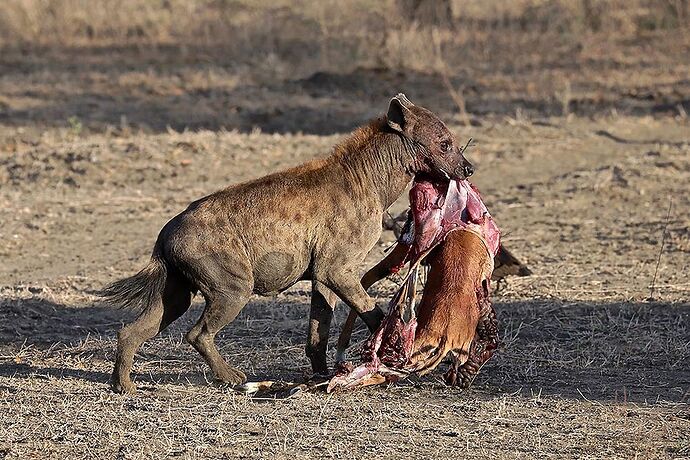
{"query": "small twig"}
pixel 467 145
pixel 661 249
pixel 588 400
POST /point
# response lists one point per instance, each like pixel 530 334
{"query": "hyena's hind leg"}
pixel 161 310
pixel 222 306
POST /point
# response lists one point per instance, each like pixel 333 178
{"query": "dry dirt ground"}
pixel 596 362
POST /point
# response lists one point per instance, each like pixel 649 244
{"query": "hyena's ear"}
pixel 399 113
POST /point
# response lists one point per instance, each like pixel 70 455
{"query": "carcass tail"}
pixel 139 291
pixel 505 263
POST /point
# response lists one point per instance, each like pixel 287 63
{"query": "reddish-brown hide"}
pixel 455 299
pixel 455 315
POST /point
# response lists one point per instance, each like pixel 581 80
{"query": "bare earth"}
pixel 596 362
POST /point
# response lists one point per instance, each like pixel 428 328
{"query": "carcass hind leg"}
pixel 482 349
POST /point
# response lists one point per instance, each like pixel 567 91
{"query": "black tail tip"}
pixel 524 271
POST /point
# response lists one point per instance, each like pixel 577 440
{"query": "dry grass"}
pixel 113 117
pixel 213 64
pixel 611 377
pixel 589 368
pixel 362 33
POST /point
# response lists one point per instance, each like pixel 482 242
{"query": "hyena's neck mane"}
pixel 376 158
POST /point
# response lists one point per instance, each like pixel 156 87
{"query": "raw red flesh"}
pixel 437 209
pixel 388 350
pixel 440 208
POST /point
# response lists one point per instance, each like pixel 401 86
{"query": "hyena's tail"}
pixel 139 291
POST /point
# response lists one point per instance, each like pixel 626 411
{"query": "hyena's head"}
pixel 434 148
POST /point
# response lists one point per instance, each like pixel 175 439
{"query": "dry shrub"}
pixel 623 17
pixel 70 22
pixel 282 36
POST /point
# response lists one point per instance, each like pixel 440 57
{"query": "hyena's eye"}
pixel 445 146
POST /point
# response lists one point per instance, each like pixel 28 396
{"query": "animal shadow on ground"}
pixel 635 352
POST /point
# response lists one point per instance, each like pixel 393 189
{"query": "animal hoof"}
pixel 320 369
pixel 451 376
pixel 123 387
pixel 231 376
pixel 319 378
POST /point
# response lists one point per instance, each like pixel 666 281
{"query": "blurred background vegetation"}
pixel 327 65
pixel 332 34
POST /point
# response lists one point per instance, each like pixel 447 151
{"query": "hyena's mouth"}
pixel 437 209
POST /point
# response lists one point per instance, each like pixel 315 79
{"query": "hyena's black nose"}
pixel 468 169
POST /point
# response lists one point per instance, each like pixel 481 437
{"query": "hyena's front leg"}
pixel 323 302
pixel 381 270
